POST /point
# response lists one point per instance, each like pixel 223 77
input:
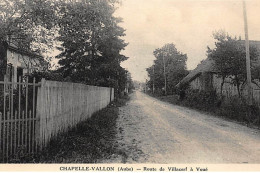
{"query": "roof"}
pixel 13 47
pixel 206 65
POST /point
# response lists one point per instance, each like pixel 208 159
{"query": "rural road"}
pixel 152 131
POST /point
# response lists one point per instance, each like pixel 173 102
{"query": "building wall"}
pixel 196 83
pixel 202 82
pixel 25 62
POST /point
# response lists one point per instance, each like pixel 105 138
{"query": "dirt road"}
pixel 151 131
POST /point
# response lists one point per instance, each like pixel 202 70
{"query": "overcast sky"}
pixel 188 24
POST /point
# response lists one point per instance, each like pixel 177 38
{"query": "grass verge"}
pixel 234 108
pixel 89 142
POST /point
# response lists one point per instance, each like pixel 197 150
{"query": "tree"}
pixel 88 33
pixel 175 67
pixel 91 43
pixel 229 56
pixel 28 23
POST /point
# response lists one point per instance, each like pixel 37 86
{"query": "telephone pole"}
pixel 165 88
pixel 249 83
pixel 153 79
pixel 145 89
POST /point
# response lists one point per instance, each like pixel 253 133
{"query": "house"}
pixel 201 77
pixel 205 78
pixel 15 62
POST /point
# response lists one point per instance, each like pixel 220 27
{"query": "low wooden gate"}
pixel 17 119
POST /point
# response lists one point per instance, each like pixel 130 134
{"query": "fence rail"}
pixel 31 114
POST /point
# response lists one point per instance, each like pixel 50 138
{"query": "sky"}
pixel 188 24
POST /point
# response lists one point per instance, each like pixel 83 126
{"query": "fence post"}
pixel 39 115
pixel 110 94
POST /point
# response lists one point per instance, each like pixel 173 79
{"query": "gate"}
pixel 25 129
pixel 17 118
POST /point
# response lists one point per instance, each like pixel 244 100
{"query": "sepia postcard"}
pixel 130 85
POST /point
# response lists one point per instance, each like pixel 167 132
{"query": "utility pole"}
pixel 164 74
pixel 249 83
pixel 145 89
pixel 153 79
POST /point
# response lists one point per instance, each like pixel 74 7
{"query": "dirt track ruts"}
pixel 152 131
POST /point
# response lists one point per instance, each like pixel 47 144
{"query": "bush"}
pixel 237 108
pixel 16 100
pixel 203 100
pixel 233 108
pixel 49 75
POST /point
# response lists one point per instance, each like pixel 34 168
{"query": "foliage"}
pixel 86 32
pixel 28 23
pixel 97 135
pixel 237 108
pixel 205 100
pixel 230 58
pixel 48 75
pixel 15 99
pixel 131 85
pixel 91 43
pixel 233 107
pixel 175 68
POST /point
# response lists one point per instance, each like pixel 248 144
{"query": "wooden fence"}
pixel 31 114
pixel 62 105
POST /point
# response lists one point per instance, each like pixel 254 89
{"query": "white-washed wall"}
pixel 23 61
pixel 61 105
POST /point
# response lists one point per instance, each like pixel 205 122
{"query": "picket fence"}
pixel 31 114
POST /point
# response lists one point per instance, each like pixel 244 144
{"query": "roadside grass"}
pixel 89 142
